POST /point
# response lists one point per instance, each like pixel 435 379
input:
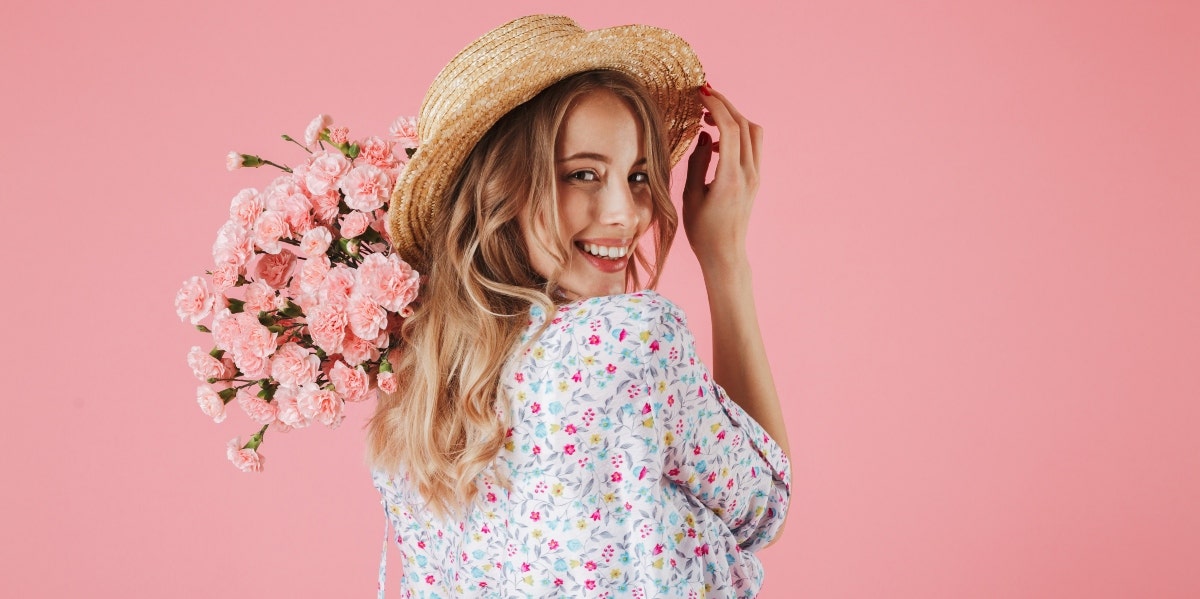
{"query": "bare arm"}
pixel 715 217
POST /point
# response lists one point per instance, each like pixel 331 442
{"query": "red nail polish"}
pixel 704 90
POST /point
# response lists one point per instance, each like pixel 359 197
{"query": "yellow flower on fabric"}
pixel 715 427
pixel 668 437
pixel 658 563
pixel 562 386
pixel 554 428
pixel 556 489
pixel 690 521
pixel 662 386
pixel 610 497
pixel 615 573
pixel 594 439
pixel 649 422
pixel 509 446
pixel 581 524
pixel 539 352
pixel 589 360
pixel 527 580
pixel 537 533
pixel 645 335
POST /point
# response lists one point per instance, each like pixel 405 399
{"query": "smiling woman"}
pixel 554 431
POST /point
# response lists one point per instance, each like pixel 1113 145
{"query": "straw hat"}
pixel 510 65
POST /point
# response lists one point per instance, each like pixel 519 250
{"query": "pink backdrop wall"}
pixel 976 249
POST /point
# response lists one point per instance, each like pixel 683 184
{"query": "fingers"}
pixel 697 169
pixel 741 139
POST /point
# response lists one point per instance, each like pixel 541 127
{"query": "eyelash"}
pixel 645 177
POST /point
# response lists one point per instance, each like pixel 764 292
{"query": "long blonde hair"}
pixel 447 421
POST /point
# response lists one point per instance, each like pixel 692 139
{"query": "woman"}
pixel 554 432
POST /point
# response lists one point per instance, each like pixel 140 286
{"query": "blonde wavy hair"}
pixel 448 420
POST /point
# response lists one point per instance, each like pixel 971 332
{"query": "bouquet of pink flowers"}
pixel 306 297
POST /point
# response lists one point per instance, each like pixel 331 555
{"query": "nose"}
pixel 618 206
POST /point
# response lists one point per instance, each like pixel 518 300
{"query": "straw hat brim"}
pixel 510 65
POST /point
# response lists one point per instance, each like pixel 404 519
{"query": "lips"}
pixel 605 265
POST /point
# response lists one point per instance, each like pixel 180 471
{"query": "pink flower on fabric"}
pixel 245 207
pixel 351 383
pixel 210 403
pixel 195 300
pixel 225 277
pixel 378 152
pixel 312 133
pixel 260 297
pixel 366 187
pixel 327 325
pixel 321 405
pixel 535 516
pixel 247 460
pixel 257 408
pixel 203 365
pixel 354 223
pixel 269 228
pixel 324 170
pixel 233 244
pixel 233 161
pixel 404 129
pixel 294 366
pixel 315 242
pixel 387 382
pixel 389 281
pixel 569 449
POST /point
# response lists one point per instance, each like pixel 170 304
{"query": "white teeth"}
pixel 604 251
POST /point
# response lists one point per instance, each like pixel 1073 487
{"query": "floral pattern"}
pixel 633 474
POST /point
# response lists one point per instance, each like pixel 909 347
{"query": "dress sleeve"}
pixel 714 451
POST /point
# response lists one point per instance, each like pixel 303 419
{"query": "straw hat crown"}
pixel 508 66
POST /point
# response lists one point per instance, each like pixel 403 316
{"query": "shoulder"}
pixel 622 321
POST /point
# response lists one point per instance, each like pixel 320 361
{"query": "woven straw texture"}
pixel 508 66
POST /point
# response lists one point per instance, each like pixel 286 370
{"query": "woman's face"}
pixel 604 201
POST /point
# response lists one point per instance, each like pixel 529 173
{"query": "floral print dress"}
pixel 633 474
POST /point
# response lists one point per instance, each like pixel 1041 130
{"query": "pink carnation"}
pixel 351 383
pixel 404 129
pixel 312 273
pixel 260 297
pixel 203 365
pixel 320 404
pixel 356 350
pixel 257 408
pixel 286 399
pixel 387 382
pixel 389 281
pixel 367 317
pixel 225 277
pixel 313 132
pixel 297 213
pixel 339 283
pixel 245 207
pixel 327 326
pixel 233 244
pixel 269 228
pixel 210 403
pixel 325 207
pixel 315 242
pixel 339 135
pixel 378 152
pixel 366 187
pixel 354 223
pixel 275 269
pixel 233 161
pixel 324 170
pixel 293 365
pixel 195 300
pixel 247 460
pixel 252 366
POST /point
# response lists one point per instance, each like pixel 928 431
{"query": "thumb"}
pixel 697 168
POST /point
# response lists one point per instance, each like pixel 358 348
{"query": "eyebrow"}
pixel 595 156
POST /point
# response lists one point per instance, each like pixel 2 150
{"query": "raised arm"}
pixel 716 216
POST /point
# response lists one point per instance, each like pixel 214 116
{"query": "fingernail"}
pixel 704 138
pixel 704 90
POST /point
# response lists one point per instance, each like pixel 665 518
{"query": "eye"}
pixel 639 178
pixel 584 176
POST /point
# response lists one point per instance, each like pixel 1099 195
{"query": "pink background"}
pixel 976 250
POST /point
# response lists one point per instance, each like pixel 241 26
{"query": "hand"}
pixel 716 215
